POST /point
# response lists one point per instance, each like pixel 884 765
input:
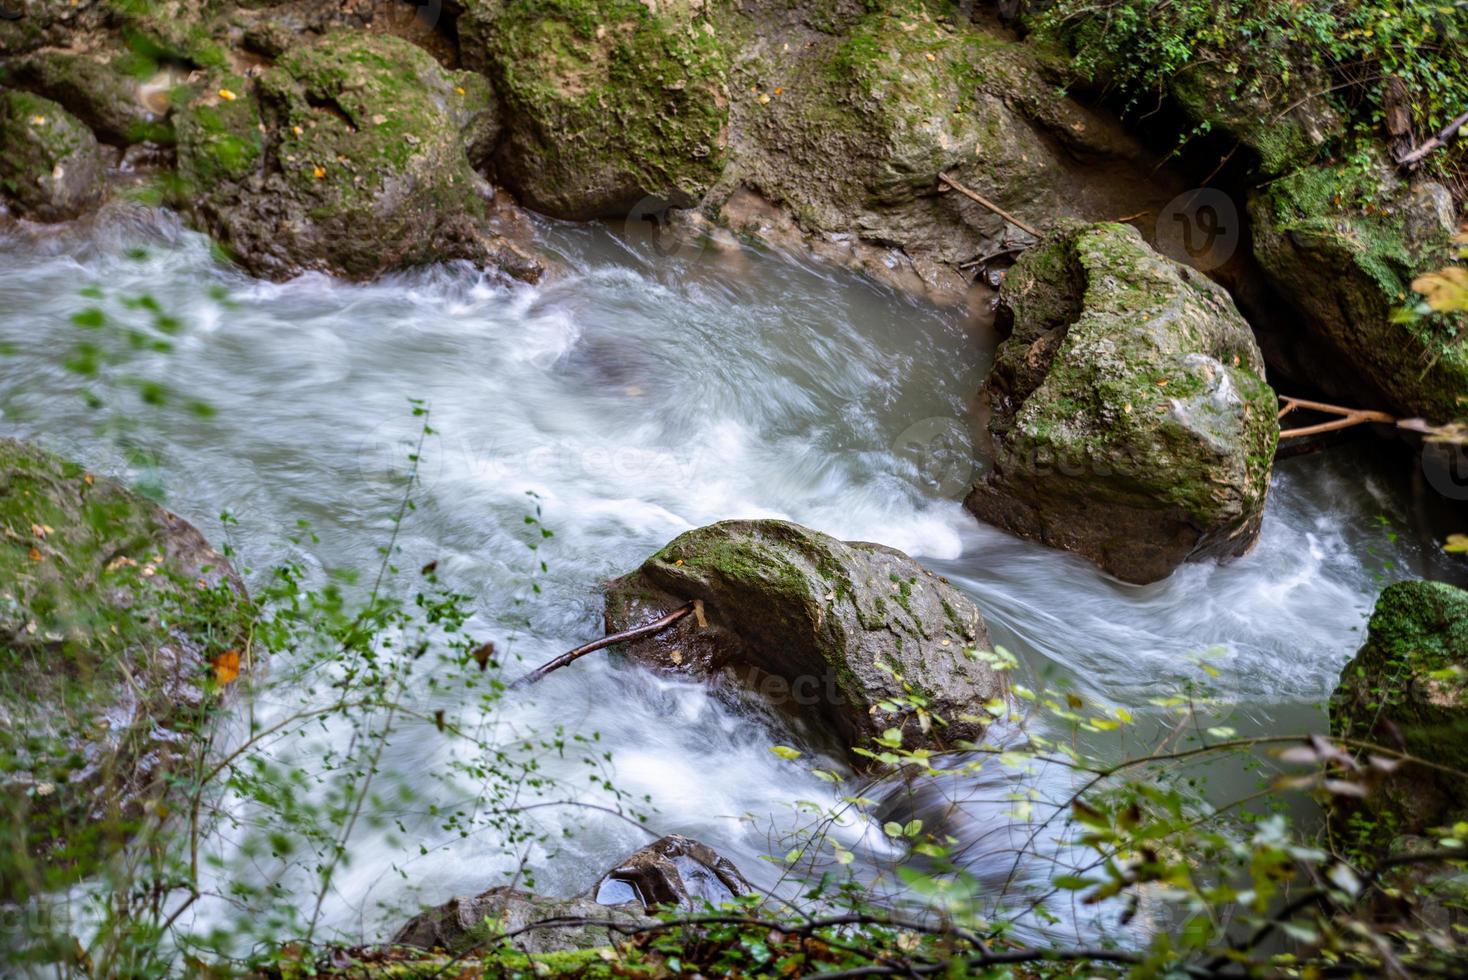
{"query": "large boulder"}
pixel 349 157
pixel 1130 422
pixel 1408 689
pixel 843 631
pixel 607 101
pixel 51 167
pixel 1343 249
pixel 119 628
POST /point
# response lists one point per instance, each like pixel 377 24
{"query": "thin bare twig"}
pixel 981 199
pixel 636 633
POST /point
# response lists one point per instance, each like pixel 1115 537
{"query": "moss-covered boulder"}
pixel 349 157
pixel 50 165
pixel 119 626
pixel 99 90
pixel 1130 421
pixel 1343 249
pixel 1408 689
pixel 840 632
pixel 606 101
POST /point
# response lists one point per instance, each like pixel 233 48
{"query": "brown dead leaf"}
pixel 483 655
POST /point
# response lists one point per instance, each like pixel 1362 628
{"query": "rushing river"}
pixel 640 394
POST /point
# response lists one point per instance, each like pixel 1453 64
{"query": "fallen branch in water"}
pixel 1441 139
pixel 636 633
pixel 1348 417
pixel 981 199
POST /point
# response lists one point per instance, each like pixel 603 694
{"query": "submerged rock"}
pixel 1347 265
pixel 831 629
pixel 671 871
pixel 607 101
pixel 113 615
pixel 349 157
pixel 50 164
pixel 1130 419
pixel 1408 689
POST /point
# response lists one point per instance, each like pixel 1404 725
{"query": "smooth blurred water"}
pixel 640 395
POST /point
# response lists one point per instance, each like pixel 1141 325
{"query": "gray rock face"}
pixel 50 164
pixel 1130 418
pixel 823 627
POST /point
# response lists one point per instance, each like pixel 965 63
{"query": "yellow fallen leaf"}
pixel 1446 290
pixel 676 656
pixel 38 531
pixel 319 172
pixel 779 91
pixel 703 622
pixel 297 130
pixel 764 99
pixel 1456 544
pixel 459 89
pixel 35 555
pixel 88 479
pixel 931 56
pixel 227 667
pixel 227 95
pixel 38 120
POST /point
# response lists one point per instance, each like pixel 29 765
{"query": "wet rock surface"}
pixel 833 630
pixel 1130 421
pixel 673 870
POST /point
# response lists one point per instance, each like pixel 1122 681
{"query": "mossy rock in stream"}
pixel 607 101
pixel 1343 250
pixel 1130 419
pixel 113 613
pixel 51 167
pixel 828 629
pixel 350 156
pixel 1407 688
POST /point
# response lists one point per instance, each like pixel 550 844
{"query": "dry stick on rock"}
pixel 1441 139
pixel 636 633
pixel 981 199
pixel 1348 417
